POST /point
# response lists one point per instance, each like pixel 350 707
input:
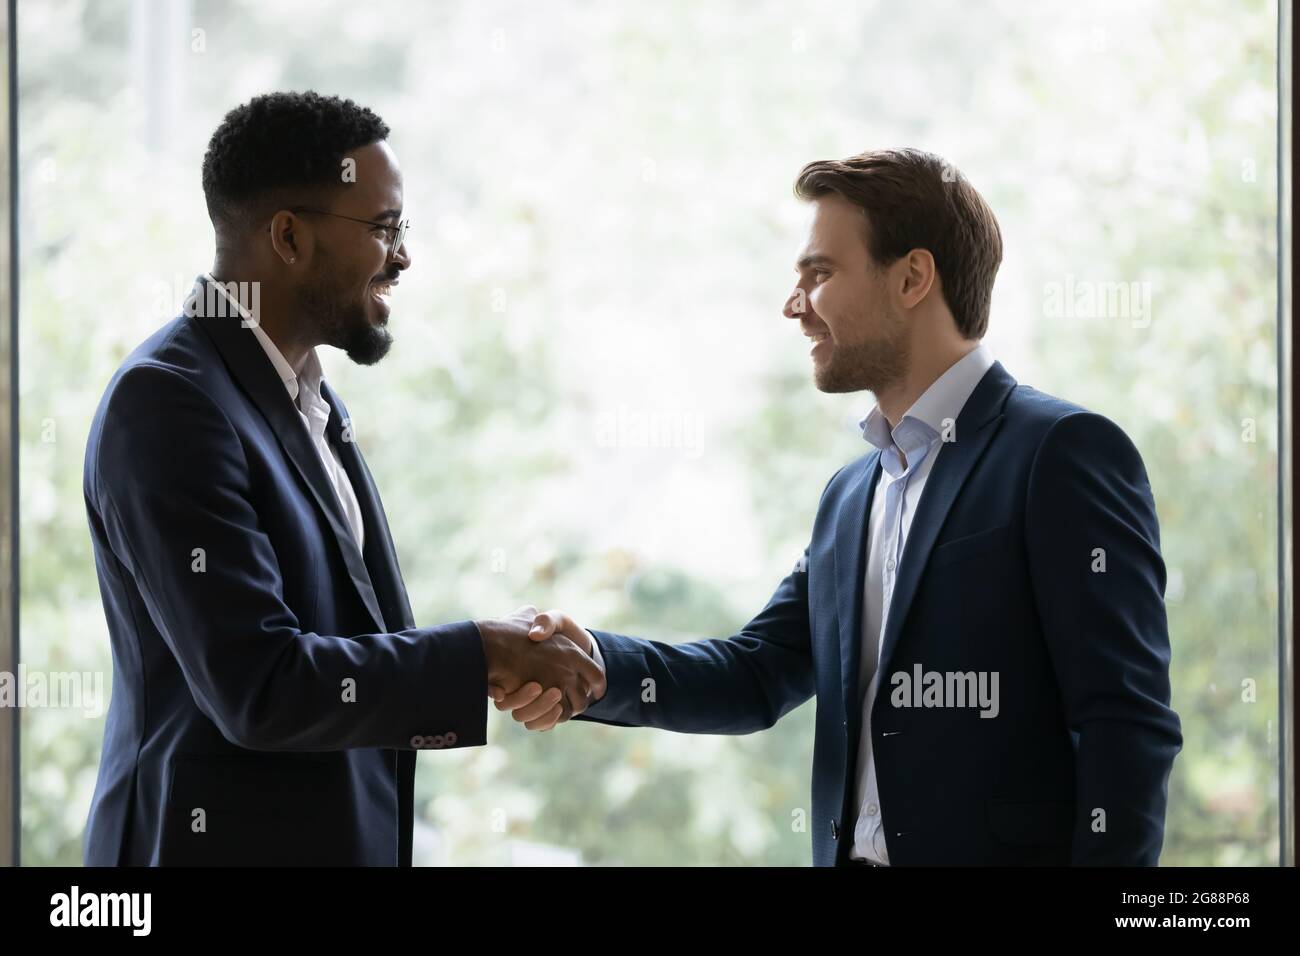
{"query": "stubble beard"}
pixel 873 365
pixel 342 320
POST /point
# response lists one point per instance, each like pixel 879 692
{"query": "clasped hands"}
pixel 540 667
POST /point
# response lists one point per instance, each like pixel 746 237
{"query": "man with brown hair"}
pixel 980 611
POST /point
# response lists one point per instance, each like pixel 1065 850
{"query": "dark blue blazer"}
pixel 270 687
pixel 1000 574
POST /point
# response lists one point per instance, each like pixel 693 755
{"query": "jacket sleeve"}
pixel 170 477
pixel 1098 578
pixel 735 685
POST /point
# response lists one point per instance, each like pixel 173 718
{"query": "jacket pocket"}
pixel 967 546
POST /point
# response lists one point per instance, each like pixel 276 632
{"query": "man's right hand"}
pixel 522 668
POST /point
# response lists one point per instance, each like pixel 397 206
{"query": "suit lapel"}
pixel 850 575
pixel 380 554
pixel 976 425
pixel 252 369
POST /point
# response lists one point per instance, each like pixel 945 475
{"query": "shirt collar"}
pixel 939 404
pixel 312 373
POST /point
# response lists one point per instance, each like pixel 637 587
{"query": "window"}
pixel 593 402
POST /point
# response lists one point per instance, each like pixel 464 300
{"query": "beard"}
pixel 870 365
pixel 341 316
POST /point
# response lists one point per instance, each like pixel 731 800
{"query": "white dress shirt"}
pixel 908 452
pixel 313 411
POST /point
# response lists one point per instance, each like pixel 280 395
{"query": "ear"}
pixel 916 276
pixel 291 238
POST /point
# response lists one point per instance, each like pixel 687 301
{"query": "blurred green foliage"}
pixel 603 227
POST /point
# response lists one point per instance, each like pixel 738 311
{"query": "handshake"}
pixel 541 667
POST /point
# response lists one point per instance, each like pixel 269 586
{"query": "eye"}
pixel 820 274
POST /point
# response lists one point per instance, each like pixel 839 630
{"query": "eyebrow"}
pixel 815 259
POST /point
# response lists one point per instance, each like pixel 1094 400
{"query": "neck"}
pixel 924 370
pixel 278 316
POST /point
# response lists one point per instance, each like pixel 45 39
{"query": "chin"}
pixel 364 338
pixel 836 381
pixel 369 349
pixel 832 387
pixel 827 380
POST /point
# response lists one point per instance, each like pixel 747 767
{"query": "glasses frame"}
pixel 396 233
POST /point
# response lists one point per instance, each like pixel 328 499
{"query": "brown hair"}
pixel 914 200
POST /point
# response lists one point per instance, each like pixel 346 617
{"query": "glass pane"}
pixel 8 664
pixel 593 401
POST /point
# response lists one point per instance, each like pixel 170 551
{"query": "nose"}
pixel 796 304
pixel 402 257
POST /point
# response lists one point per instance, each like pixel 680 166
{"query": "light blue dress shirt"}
pixel 908 453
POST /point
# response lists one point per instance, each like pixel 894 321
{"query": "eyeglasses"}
pixel 396 233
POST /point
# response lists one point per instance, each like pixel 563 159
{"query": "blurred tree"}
pixel 603 231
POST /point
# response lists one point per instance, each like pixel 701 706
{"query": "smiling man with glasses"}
pixel 270 686
pixel 345 275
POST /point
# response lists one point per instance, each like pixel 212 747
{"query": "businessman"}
pixel 270 685
pixel 980 612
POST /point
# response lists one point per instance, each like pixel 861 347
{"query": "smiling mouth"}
pixel 382 291
pixel 817 340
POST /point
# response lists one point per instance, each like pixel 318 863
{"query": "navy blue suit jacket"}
pixel 241 614
pixel 1000 574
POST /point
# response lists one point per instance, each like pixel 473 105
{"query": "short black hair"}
pixel 278 144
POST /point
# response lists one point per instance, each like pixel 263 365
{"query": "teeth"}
pixel 383 289
pixel 819 338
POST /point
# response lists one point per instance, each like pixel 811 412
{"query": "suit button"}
pixel 835 830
